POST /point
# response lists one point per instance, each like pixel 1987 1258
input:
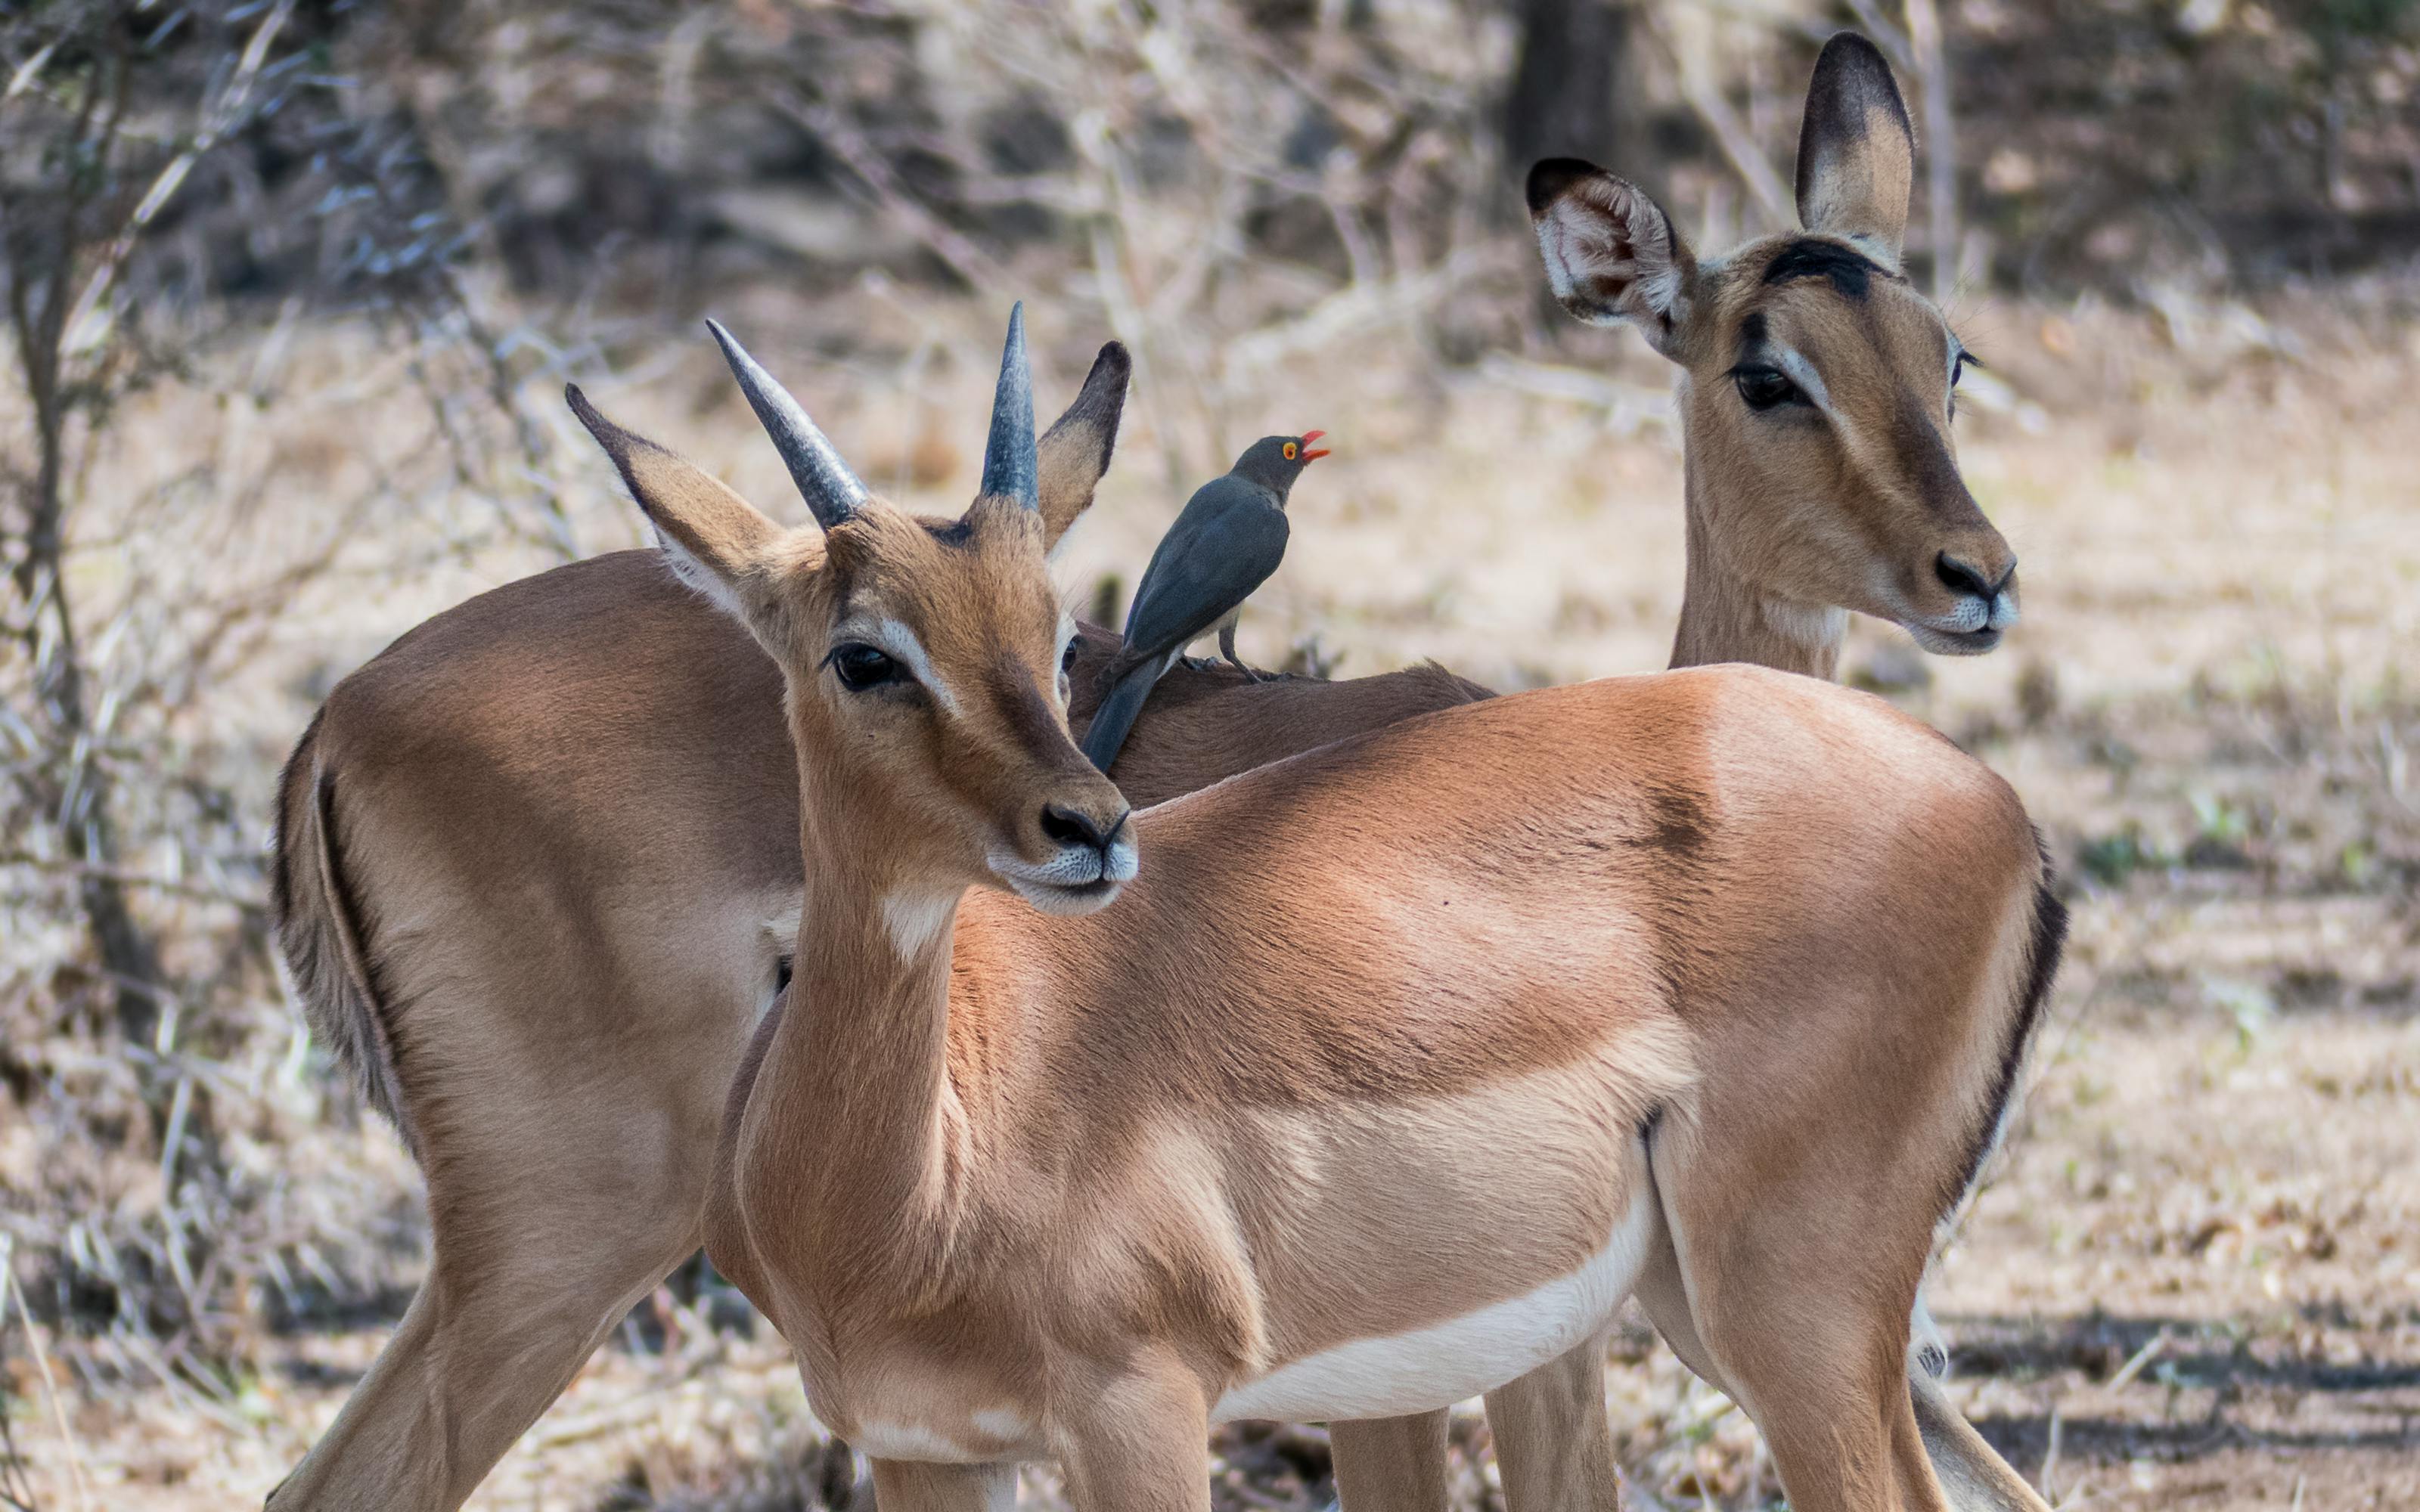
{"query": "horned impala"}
pixel 554 1041
pixel 1500 1002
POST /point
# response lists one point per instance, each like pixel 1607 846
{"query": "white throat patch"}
pixel 915 918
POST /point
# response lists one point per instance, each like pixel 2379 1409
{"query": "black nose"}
pixel 1070 827
pixel 1959 578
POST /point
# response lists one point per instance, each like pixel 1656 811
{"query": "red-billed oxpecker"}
pixel 1228 541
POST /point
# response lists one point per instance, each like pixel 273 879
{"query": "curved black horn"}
pixel 1011 470
pixel 831 490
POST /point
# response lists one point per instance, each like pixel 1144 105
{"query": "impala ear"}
pixel 714 540
pixel 1856 151
pixel 1610 251
pixel 1075 451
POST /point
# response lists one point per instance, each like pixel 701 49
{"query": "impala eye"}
pixel 1764 388
pixel 1067 660
pixel 861 667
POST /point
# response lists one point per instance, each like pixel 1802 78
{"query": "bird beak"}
pixel 1308 437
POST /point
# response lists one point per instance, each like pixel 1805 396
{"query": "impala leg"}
pixel 469 1371
pixel 914 1486
pixel 1135 1438
pixel 1554 1442
pixel 1390 1464
pixel 540 1251
pixel 1795 1302
pixel 1973 1476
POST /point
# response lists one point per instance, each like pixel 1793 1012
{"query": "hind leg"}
pixel 1390 1464
pixel 1793 1296
pixel 1554 1442
pixel 551 1218
pixel 477 1358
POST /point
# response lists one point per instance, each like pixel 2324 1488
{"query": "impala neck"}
pixel 1723 617
pixel 861 1056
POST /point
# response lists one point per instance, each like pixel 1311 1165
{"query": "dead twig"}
pixel 43 1366
pixel 224 115
pixel 976 267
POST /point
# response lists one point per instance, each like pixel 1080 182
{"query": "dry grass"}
pixel 2211 707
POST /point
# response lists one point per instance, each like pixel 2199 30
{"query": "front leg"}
pixel 918 1486
pixel 1135 1438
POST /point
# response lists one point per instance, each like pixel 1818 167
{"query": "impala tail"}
pixel 318 917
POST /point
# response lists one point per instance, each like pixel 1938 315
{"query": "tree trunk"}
pixel 81 800
pixel 1562 104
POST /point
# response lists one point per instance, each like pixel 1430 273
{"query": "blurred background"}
pixel 291 291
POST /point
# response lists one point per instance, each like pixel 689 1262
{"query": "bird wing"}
pixel 1117 712
pixel 1231 537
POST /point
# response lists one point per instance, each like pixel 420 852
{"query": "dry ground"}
pixel 2195 1279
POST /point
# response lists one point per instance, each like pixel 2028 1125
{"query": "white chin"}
pixel 1953 642
pixel 1052 899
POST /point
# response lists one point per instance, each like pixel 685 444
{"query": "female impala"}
pixel 1500 1002
pixel 554 1041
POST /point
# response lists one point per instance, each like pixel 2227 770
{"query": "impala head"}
pixel 925 658
pixel 1818 384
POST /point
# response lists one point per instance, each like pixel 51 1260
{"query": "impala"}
pixel 1500 1003
pixel 536 877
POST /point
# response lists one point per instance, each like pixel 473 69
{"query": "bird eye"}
pixel 1290 449
pixel 861 667
pixel 1764 388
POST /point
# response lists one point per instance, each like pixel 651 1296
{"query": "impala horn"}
pixel 1011 470
pixel 830 489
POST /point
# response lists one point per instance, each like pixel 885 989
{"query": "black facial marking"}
pixel 1850 270
pixel 1752 330
pixel 1035 717
pixel 1925 455
pixel 950 531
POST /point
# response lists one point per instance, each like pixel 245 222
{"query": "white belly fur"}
pixel 1454 1361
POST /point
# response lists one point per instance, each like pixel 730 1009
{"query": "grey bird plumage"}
pixel 1229 539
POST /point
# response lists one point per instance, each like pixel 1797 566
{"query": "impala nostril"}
pixel 1959 578
pixel 1069 826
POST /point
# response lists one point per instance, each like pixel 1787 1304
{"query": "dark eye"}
pixel 1067 660
pixel 1956 371
pixel 860 666
pixel 1762 388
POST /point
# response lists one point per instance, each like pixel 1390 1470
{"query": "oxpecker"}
pixel 1231 537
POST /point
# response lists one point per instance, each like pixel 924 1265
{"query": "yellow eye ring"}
pixel 1290 449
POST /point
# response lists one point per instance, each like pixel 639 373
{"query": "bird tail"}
pixel 1117 713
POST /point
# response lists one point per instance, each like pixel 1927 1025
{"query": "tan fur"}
pixel 1851 502
pixel 1041 1185
pixel 509 803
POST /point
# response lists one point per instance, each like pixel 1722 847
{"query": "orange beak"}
pixel 1308 437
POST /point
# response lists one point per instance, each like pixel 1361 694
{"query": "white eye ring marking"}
pixel 901 645
pixel 1802 372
